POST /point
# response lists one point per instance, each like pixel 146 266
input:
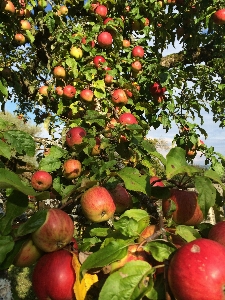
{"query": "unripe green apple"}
pixel 76 52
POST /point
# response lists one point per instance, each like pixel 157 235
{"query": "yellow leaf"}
pixel 81 287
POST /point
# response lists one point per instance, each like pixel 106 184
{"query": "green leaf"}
pixel 4 124
pixel 140 216
pixel 115 250
pixel 16 204
pixel 158 290
pixel 160 249
pixel 12 254
pixel 102 232
pixel 134 181
pixel 50 164
pixel 5 150
pixel 206 193
pixel 214 176
pixel 188 233
pixel 33 223
pixel 6 245
pixel 30 36
pixel 3 89
pixel 131 282
pixel 127 226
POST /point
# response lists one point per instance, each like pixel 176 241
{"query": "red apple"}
pixel 156 181
pixel 157 89
pixel 108 79
pixel 59 72
pixel 69 91
pixel 87 95
pixel 127 118
pixel 71 168
pixel 98 61
pixel 97 204
pixel 217 233
pixel 76 52
pixel 25 25
pixel 91 43
pixel 59 90
pixel 219 17
pixel 101 10
pixel 56 232
pixel 20 38
pixel 196 271
pixel 8 6
pixel 28 254
pixel 75 136
pixel 107 20
pixel 54 276
pixel 43 90
pixel 138 51
pixel 41 180
pixel 136 66
pixel 126 43
pixel 187 210
pixel 105 39
pixel 129 93
pixel 119 97
pixel 121 198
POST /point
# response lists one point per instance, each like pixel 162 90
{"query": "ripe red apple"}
pixel 187 211
pixel 217 233
pixel 59 72
pixel 219 17
pixel 76 52
pixel 41 180
pixel 54 276
pixel 20 38
pixel 59 90
pixel 75 136
pixel 119 97
pixel 126 43
pixel 156 181
pixel 56 232
pixel 8 6
pixel 28 254
pixel 101 10
pixel 25 25
pixel 196 271
pixel 97 204
pixel 136 66
pixel 127 118
pixel 69 91
pixel 105 39
pixel 107 20
pixel 138 51
pixel 71 168
pixel 98 61
pixel 121 198
pixel 43 90
pixel 87 95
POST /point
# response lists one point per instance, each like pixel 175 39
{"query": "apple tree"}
pixel 99 76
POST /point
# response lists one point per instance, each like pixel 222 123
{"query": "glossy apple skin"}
pixel 8 6
pixel 43 90
pixel 97 204
pixel 20 38
pixel 98 61
pixel 219 17
pixel 138 51
pixel 53 276
pixel 119 97
pixel 187 210
pixel 136 66
pixel 127 118
pixel 59 72
pixel 105 39
pixel 87 95
pixel 25 25
pixel 72 168
pixel 121 198
pixel 196 271
pixel 76 52
pixel 75 136
pixel 56 232
pixel 69 91
pixel 41 180
pixel 101 10
pixel 217 233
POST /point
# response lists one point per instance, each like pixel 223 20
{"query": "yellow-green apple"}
pixel 97 204
pixel 59 90
pixel 69 91
pixel 105 39
pixel 195 268
pixel 187 210
pixel 8 6
pixel 72 168
pixel 127 118
pixel 217 233
pixel 76 52
pixel 19 38
pixel 75 136
pixel 54 276
pixel 136 66
pixel 121 198
pixel 59 72
pixel 42 4
pixel 28 254
pixel 119 97
pixel 138 51
pixel 101 10
pixel 43 90
pixel 25 25
pixel 87 95
pixel 219 17
pixel 63 10
pixel 98 61
pixel 56 232
pixel 41 180
pixel 126 43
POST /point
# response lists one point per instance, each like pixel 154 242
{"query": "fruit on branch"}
pixel 217 233
pixel 76 52
pixel 87 95
pixel 155 181
pixel 69 91
pixel 147 232
pixel 101 10
pixel 72 246
pixel 63 10
pixel 7 6
pixel 119 97
pixel 136 66
pixel 20 38
pixel 42 4
pixel 156 89
pixel 105 39
pixel 25 25
pixel 98 61
pixel 84 41
pixel 121 198
pixel 96 149
pixel 126 43
pixel 41 180
pixel 138 51
pixel 108 79
pixel 109 127
pixel 187 210
pixel 59 90
pixel 219 17
pixel 72 168
pixel 127 118
pixel 59 72
pixel 56 232
pixel 75 136
pixel 97 204
pixel 107 20
pixel 28 254
pixel 43 90
pixel 196 272
pixel 54 276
